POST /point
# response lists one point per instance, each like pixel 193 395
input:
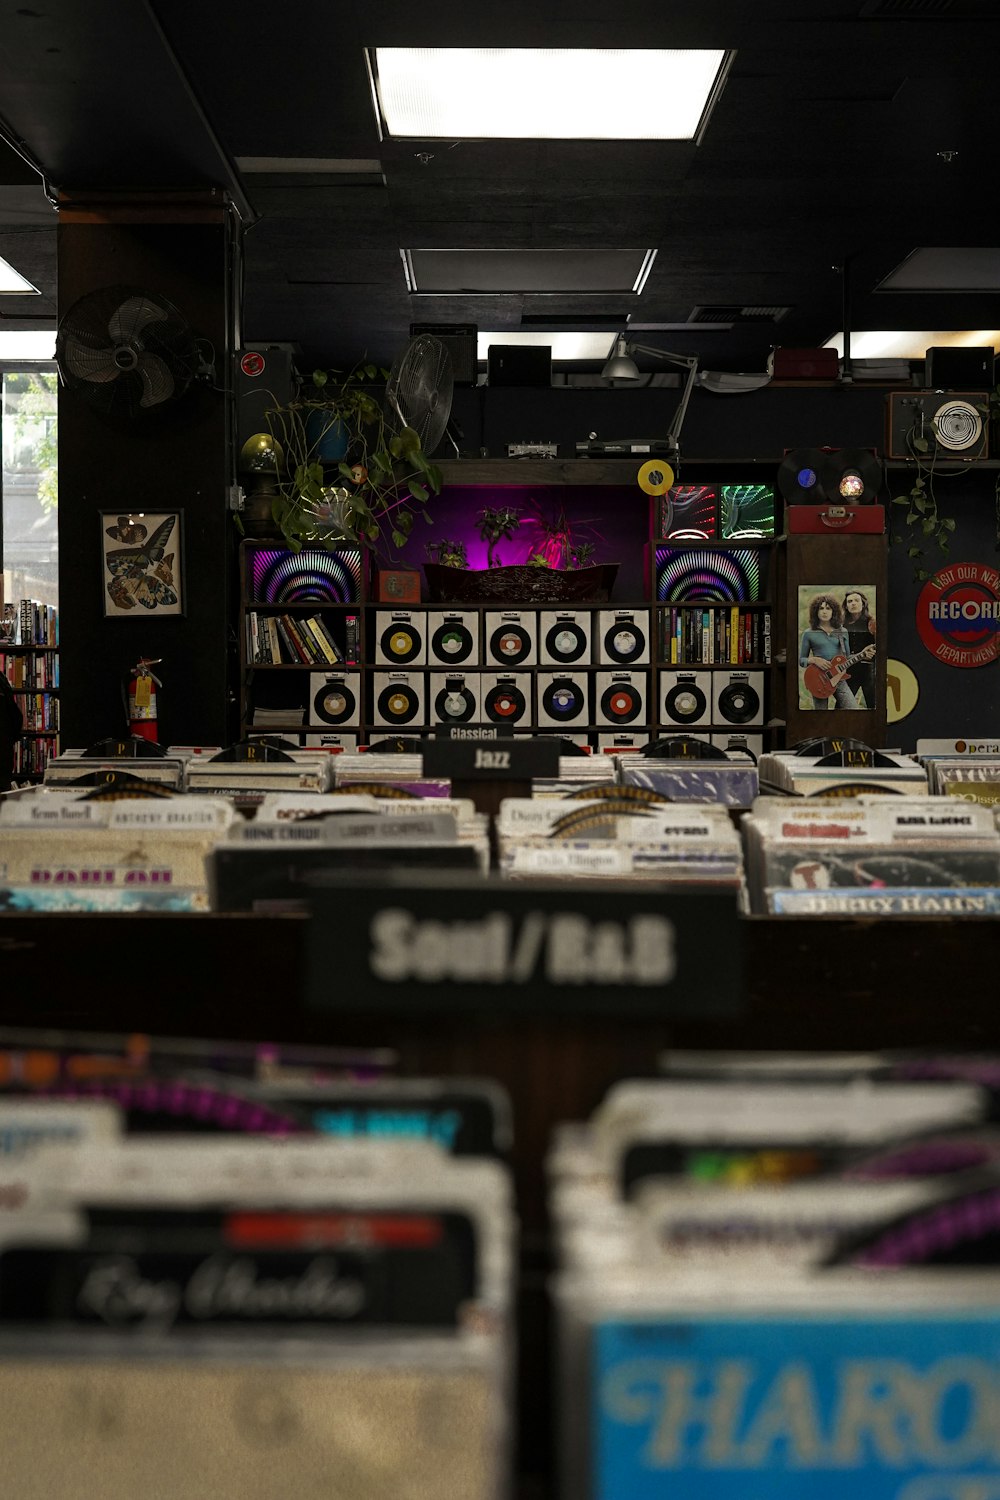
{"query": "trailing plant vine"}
pixel 926 526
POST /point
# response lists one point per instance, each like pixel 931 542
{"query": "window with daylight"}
pixel 29 530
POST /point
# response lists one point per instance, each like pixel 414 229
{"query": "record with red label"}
pixel 504 703
pixel 622 702
pixel 510 644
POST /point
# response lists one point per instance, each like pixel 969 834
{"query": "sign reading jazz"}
pixel 897 1405
pixel 461 944
pixel 958 615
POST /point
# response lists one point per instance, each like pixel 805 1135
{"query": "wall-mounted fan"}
pixel 126 351
pixel 419 390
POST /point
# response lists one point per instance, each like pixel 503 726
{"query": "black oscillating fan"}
pixel 419 390
pixel 126 351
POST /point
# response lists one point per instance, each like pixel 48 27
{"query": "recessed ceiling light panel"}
pixel 946 269
pixel 911 343
pixel 546 93
pixel 458 273
pixel 13 283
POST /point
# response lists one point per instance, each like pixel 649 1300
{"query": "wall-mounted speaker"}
pixel 948 369
pixel 950 422
pixel 461 341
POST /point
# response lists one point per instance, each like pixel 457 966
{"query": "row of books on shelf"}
pixel 30 623
pixel 280 639
pixel 40 711
pixel 710 636
pixel 30 673
pixel 32 756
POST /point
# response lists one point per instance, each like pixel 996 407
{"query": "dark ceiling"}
pixel 826 149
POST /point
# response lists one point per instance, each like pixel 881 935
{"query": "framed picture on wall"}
pixel 143 563
pixel 837 645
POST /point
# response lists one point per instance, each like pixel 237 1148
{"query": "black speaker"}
pixel 461 342
pixel 519 364
pixel 953 369
pixel 264 378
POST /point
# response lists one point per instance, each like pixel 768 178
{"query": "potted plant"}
pixel 337 471
pixel 558 568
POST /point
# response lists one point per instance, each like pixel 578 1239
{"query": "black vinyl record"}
pixel 851 476
pixel 335 702
pixel 398 703
pixel 510 644
pixel 565 700
pixel 800 476
pixel 401 642
pixel 624 642
pixel 622 702
pixel 452 642
pixel 739 703
pixel 504 703
pixel 566 642
pixel 455 704
pixel 685 703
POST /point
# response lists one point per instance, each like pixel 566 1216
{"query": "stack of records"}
pixel 108 851
pixel 576 772
pixel 872 856
pixel 827 771
pixel 80 766
pixel 618 836
pixel 295 848
pixel 402 772
pixel 963 768
pixel 251 1318
pixel 285 768
pixel 730 783
pixel 748 1295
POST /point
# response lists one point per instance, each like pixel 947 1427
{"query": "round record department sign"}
pixel 958 615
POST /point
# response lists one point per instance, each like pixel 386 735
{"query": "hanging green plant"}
pixel 925 524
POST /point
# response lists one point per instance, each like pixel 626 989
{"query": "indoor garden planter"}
pixel 520 583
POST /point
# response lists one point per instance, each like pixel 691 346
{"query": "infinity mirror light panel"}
pixel 693 575
pixel 689 513
pixel 747 511
pixel 280 576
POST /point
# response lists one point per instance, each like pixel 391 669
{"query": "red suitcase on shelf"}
pixel 836 520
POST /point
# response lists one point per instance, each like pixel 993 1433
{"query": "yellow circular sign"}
pixel 902 690
pixel 655 477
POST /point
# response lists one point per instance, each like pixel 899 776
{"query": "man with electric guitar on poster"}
pixel 826 656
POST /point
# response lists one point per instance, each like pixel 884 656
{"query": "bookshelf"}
pixel 30 662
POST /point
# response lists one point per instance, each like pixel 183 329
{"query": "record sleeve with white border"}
pixel 622 637
pixel 564 637
pixel 510 637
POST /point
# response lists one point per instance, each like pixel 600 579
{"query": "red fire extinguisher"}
pixel 142 698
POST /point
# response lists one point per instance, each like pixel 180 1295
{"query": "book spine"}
pixel 706 637
pixel 767 637
pixel 734 636
pixel 308 642
pixel 327 644
pixel 352 640
pixel 301 650
pixel 288 652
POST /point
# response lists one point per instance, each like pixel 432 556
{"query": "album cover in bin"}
pixel 270 879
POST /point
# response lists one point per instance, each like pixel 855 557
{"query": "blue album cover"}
pixel 873 1406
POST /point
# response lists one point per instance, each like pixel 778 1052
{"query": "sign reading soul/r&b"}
pixel 519 947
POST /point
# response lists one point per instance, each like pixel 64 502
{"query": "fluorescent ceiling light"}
pixel 945 269
pixel 27 343
pixel 907 344
pixel 13 282
pixel 547 93
pixel 461 273
pixel 565 347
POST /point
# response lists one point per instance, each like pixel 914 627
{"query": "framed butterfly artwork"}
pixel 143 563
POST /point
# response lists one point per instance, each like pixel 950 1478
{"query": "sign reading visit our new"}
pixel 958 615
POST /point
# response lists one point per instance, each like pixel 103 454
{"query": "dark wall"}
pixel 174 457
pixel 758 426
